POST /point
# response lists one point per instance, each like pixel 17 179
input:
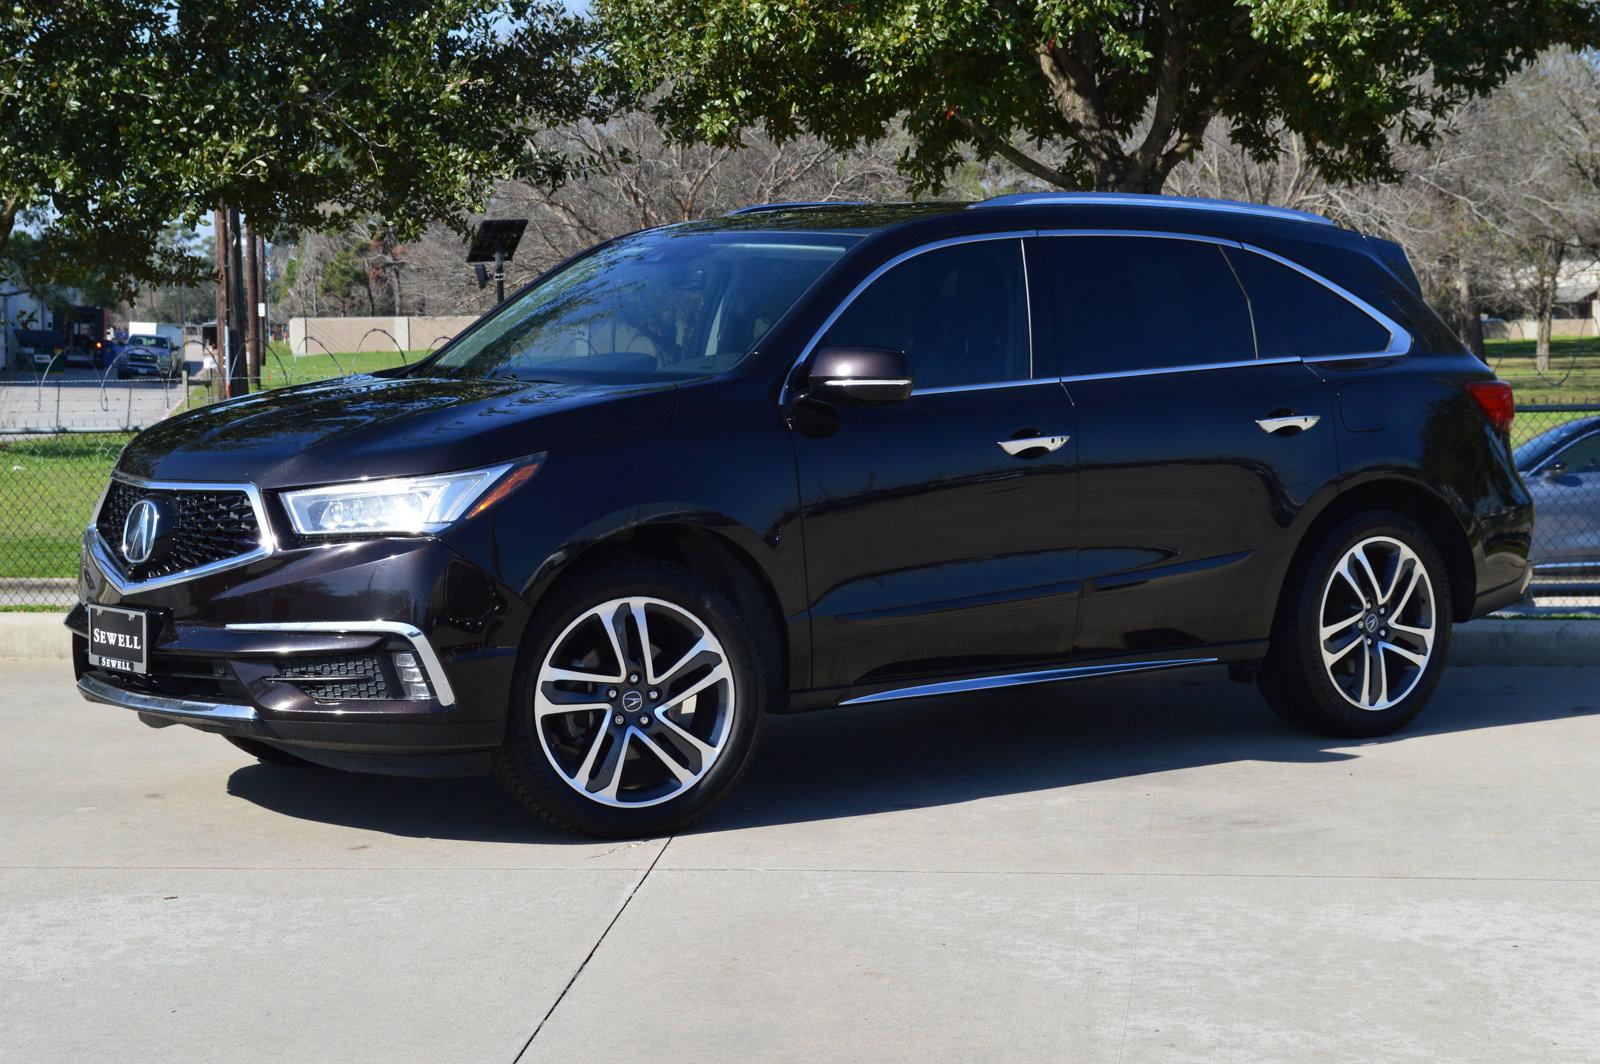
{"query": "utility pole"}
pixel 219 235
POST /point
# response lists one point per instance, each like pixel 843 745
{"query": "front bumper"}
pixel 265 650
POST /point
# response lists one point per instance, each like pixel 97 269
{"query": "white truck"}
pixel 174 333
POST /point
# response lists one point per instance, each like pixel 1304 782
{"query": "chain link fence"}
pixel 51 481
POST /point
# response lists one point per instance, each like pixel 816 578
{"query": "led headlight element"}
pixel 403 505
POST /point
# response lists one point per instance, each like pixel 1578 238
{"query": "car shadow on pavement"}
pixel 909 755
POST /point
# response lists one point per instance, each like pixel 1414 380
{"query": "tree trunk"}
pixel 252 296
pixel 1471 315
pixel 1547 308
pixel 1541 347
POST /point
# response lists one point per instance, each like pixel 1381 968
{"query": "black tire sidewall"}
pixel 526 771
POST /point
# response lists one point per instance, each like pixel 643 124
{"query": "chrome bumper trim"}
pixel 97 690
pixel 412 634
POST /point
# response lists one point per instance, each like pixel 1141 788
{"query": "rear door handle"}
pixel 1033 443
pixel 1298 422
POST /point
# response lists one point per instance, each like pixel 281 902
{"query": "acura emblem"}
pixel 631 701
pixel 139 531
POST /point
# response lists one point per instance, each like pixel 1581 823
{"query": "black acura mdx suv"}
pixel 816 455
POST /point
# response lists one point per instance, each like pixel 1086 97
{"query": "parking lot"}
pixel 79 397
pixel 1152 870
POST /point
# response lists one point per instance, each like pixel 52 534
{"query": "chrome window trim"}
pixel 443 692
pixel 1545 462
pixel 110 568
pixel 1144 199
pixel 1020 679
pixel 1019 235
pixel 1400 341
pixel 94 689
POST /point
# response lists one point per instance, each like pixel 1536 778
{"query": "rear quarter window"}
pixel 1298 317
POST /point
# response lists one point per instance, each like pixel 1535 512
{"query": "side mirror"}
pixel 1555 469
pixel 859 376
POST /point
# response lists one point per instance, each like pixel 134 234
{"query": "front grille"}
pixel 211 526
pixel 363 676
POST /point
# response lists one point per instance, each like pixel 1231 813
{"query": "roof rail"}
pixel 798 205
pixel 1142 199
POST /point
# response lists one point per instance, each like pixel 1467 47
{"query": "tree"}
pixel 119 116
pixel 1107 95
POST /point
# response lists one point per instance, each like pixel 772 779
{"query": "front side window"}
pixel 659 305
pixel 1127 303
pixel 960 313
pixel 1298 317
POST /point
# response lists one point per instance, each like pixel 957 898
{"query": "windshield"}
pixel 659 305
pixel 146 341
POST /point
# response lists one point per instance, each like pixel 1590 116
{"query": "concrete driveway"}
pixel 1153 870
pixel 82 398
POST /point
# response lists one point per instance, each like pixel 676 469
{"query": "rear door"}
pixel 936 539
pixel 1196 456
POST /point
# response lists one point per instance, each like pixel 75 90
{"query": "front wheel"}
pixel 638 701
pixel 1362 631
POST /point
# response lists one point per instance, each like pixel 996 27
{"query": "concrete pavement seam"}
pixel 592 951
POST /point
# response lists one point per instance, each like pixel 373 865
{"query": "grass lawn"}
pixel 282 369
pixel 48 489
pixel 1573 377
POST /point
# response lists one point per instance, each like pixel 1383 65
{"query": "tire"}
pixel 268 754
pixel 589 770
pixel 1389 635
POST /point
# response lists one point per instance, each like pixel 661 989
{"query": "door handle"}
pixel 1298 422
pixel 1033 443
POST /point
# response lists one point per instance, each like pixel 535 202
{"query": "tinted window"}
pixel 960 313
pixel 656 305
pixel 1583 456
pixel 1298 317
pixel 1127 303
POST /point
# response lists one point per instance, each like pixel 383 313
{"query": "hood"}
pixel 364 426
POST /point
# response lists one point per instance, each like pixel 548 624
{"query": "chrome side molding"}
pixel 1021 679
pixel 412 634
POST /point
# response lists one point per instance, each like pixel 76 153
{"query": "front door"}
pixel 935 543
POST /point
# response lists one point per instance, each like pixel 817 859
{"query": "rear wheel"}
pixel 1362 631
pixel 638 702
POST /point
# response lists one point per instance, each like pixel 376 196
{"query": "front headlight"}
pixel 403 505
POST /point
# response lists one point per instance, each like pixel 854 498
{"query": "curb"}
pixel 1490 641
pixel 34 635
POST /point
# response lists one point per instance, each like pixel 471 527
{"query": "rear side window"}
pixel 1134 303
pixel 1296 316
pixel 960 313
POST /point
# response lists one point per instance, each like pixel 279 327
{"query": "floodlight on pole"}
pixel 495 240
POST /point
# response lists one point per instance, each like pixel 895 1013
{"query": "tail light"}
pixel 1498 403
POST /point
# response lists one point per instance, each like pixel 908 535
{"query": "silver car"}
pixel 1562 470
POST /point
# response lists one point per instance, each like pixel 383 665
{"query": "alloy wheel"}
pixel 1377 623
pixel 634 702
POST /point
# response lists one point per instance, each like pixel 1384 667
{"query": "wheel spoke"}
pixel 701 650
pixel 637 609
pixel 1331 630
pixel 677 734
pixel 715 676
pixel 1381 673
pixel 555 675
pixel 1412 656
pixel 1424 634
pixel 544 706
pixel 617 636
pixel 610 770
pixel 1333 657
pixel 586 770
pixel 684 776
pixel 1376 595
pixel 1405 597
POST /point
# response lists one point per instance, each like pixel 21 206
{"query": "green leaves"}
pixel 1108 93
pixel 125 114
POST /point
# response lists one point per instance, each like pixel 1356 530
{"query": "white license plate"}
pixel 118 639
